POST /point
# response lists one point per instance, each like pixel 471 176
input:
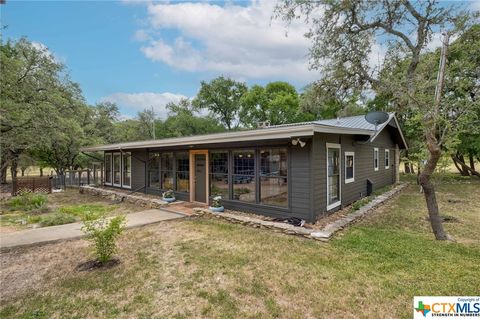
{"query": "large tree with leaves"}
pixel 221 97
pixel 276 103
pixel 344 33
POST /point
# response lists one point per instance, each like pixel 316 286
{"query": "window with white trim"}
pixel 127 170
pixel 375 159
pixel 349 167
pixel 387 159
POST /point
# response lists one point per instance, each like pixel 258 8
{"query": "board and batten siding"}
pixel 363 168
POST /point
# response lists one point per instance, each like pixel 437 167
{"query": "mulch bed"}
pixel 94 264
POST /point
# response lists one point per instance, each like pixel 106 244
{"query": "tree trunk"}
pixel 41 171
pixel 472 162
pixel 3 173
pixel 23 171
pixel 429 191
pixel 412 169
pixel 459 168
pixel 406 168
pixel 465 167
pixel 13 169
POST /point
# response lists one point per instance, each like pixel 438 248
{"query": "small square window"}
pixel 349 167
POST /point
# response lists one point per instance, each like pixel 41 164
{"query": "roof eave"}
pixel 242 136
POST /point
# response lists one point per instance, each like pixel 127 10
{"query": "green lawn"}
pixel 209 268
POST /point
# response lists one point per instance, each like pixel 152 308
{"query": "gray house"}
pixel 305 170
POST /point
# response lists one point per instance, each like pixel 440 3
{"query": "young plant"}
pixel 103 233
pixel 217 201
pixel 168 194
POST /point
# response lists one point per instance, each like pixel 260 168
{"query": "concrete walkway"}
pixel 73 230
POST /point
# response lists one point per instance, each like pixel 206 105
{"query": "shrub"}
pixel 103 232
pixel 28 201
pixel 56 219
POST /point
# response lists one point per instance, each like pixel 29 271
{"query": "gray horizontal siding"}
pixel 363 168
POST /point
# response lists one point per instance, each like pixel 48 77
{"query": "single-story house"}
pixel 305 170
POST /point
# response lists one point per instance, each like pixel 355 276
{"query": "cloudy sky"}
pixel 143 54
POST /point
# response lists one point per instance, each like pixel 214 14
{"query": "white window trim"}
pixel 339 202
pixel 349 180
pixel 113 169
pixel 124 185
pixel 105 169
pixel 387 152
pixel 375 168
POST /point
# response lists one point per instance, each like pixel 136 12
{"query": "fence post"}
pixel 88 176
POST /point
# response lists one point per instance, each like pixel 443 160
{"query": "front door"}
pixel 200 178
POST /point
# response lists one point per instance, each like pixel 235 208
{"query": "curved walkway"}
pixel 73 231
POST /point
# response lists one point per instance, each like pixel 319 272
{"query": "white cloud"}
pixel 141 35
pixel 140 101
pixel 234 40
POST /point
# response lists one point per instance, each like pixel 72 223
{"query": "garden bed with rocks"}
pixel 144 200
pixel 323 231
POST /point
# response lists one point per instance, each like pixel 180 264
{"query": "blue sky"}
pixel 147 54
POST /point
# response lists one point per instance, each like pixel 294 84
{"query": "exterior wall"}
pixel 138 170
pixel 299 181
pixel 307 174
pixel 363 168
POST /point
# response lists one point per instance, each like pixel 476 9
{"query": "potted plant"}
pixel 168 196
pixel 217 206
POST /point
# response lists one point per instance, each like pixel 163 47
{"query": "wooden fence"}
pixel 40 184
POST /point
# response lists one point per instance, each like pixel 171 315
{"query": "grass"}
pixel 22 212
pixel 212 269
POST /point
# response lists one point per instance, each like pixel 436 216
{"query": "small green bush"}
pixel 28 201
pixel 103 233
pixel 56 219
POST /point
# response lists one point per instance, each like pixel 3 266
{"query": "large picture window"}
pixel 349 167
pixel 117 161
pixel 183 168
pixel 127 170
pixel 244 176
pixel 108 168
pixel 154 170
pixel 166 167
pixel 375 159
pixel 219 174
pixel 273 177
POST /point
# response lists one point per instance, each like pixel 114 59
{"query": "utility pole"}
pixel 153 123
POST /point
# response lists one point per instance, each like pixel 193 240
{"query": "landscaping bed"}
pixel 43 210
